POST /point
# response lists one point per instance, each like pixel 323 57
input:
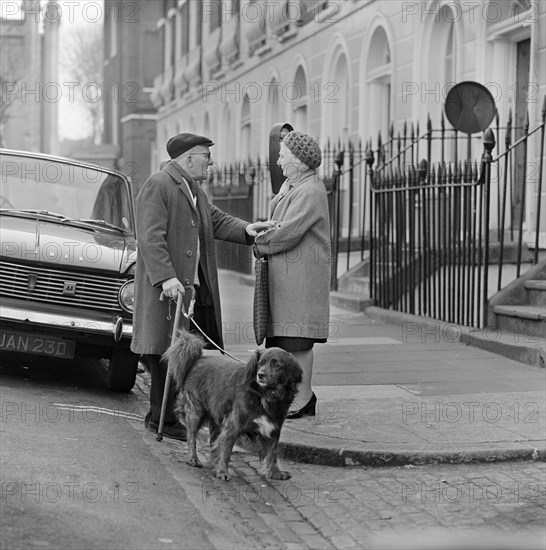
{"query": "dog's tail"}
pixel 182 354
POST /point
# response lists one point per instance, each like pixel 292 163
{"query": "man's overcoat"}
pixel 299 259
pixel 168 226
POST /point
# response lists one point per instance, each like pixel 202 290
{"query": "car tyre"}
pixel 122 370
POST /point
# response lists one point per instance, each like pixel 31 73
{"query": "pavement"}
pixel 393 389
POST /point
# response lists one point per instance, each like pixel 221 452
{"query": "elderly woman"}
pixel 298 250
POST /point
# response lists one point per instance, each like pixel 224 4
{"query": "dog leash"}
pixel 214 344
pixel 190 318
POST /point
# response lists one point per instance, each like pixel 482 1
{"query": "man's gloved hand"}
pixel 171 288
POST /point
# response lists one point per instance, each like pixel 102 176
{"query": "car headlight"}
pixel 126 296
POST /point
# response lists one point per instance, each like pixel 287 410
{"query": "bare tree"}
pixel 82 62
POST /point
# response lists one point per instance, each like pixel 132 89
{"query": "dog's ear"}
pixel 294 370
pixel 252 367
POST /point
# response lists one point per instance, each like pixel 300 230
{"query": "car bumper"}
pixel 118 328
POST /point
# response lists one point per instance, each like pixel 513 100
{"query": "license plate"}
pixel 35 343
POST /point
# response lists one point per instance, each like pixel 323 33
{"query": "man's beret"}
pixel 184 142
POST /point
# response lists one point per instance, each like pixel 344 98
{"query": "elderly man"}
pixel 176 228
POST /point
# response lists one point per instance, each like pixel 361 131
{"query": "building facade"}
pixel 339 69
pixel 132 55
pixel 343 69
pixel 29 34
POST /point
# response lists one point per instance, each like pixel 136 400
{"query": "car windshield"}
pixel 68 192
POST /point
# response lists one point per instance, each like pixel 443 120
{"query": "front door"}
pixel 521 92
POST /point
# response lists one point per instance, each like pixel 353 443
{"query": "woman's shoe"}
pixel 308 409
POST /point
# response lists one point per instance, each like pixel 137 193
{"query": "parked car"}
pixel 67 260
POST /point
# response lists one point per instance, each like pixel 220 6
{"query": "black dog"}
pixel 234 399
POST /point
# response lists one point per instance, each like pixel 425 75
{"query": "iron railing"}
pixel 428 213
pixel 433 239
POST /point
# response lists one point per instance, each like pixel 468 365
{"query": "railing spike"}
pixel 489 140
pixel 369 156
pixel 423 169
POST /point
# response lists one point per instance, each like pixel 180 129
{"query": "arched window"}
pixel 442 75
pixel 206 126
pixel 378 86
pixel 449 66
pixel 273 102
pixel 297 95
pixel 226 151
pixel 335 94
pixel 245 130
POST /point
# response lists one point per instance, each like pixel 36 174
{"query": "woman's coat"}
pixel 168 226
pixel 299 254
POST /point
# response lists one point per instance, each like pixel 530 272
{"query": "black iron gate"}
pixel 431 238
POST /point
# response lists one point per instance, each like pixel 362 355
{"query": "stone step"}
pixel 536 292
pixel 352 302
pixel 525 312
pixel 529 322
pixel 354 285
pixel 529 350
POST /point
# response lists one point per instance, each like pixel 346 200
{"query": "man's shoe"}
pixel 174 430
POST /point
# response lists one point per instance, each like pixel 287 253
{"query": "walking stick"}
pixel 179 310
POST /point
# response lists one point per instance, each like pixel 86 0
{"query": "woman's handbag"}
pixel 261 298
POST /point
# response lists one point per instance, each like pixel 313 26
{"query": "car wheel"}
pixel 122 370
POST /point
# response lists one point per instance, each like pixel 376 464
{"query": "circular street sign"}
pixel 276 136
pixel 470 107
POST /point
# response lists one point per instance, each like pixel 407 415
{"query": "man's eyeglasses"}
pixel 207 154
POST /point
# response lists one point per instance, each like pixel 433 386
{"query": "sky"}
pixel 76 17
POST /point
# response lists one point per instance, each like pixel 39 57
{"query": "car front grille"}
pixel 91 291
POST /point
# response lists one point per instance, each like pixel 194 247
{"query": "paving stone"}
pixel 302 528
pixel 345 541
pixel 295 546
pixel 318 543
pixel 456 498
